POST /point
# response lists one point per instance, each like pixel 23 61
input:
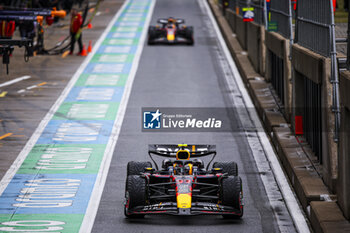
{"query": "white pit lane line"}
pixel 15 81
pixel 270 159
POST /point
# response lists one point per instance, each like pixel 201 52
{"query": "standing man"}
pixel 75 32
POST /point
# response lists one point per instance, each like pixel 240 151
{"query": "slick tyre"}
pixel 189 35
pixel 136 168
pixel 231 195
pixel 135 195
pixel 152 33
pixel 150 41
pixel 227 167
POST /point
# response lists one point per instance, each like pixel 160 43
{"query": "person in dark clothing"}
pixel 75 32
pixel 67 5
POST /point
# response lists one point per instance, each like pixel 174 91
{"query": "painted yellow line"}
pixel 42 84
pixel 3 94
pixel 5 136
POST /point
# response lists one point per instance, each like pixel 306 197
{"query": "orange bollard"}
pixel 84 52
pixel 89 26
pixel 89 47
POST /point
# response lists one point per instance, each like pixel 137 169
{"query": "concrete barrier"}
pixel 231 19
pixel 256 46
pixel 307 64
pixel 241 31
pixel 343 186
pixel 277 44
pixel 326 217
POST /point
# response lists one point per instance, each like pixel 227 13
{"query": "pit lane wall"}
pixel 323 191
pixel 49 187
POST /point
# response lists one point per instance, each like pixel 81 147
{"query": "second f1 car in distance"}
pixel 170 31
pixel 183 186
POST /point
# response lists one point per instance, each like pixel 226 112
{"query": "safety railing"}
pixel 280 16
pixel 232 5
pixel 259 11
pixel 313 24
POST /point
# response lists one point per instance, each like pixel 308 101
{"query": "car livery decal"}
pixel 51 187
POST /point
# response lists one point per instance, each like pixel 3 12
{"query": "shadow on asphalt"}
pixel 184 221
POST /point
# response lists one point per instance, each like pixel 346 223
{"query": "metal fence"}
pixel 313 25
pixel 280 13
pixel 259 11
pixel 232 5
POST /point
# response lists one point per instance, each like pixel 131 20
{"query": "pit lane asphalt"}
pixel 182 76
pixel 20 113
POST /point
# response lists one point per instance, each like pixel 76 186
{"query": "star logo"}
pixel 156 115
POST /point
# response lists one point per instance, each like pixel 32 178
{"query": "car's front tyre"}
pixel 232 195
pixel 136 168
pixel 152 34
pixel 135 195
pixel 230 168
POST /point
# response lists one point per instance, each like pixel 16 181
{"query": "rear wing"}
pixel 170 150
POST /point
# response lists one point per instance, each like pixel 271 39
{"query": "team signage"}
pixel 248 14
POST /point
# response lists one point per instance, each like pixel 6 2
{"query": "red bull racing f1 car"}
pixel 170 31
pixel 183 186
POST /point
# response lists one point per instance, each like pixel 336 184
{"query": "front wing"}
pixel 164 40
pixel 198 208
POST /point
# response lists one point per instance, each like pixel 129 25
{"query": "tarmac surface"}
pixel 183 76
pixel 24 104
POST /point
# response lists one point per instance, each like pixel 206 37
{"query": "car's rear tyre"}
pixel 232 194
pixel 135 194
pixel 227 167
pixel 136 168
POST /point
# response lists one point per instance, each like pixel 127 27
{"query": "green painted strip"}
pixel 42 223
pixel 102 80
pixel 87 111
pixel 121 41
pixel 108 58
pixel 53 159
